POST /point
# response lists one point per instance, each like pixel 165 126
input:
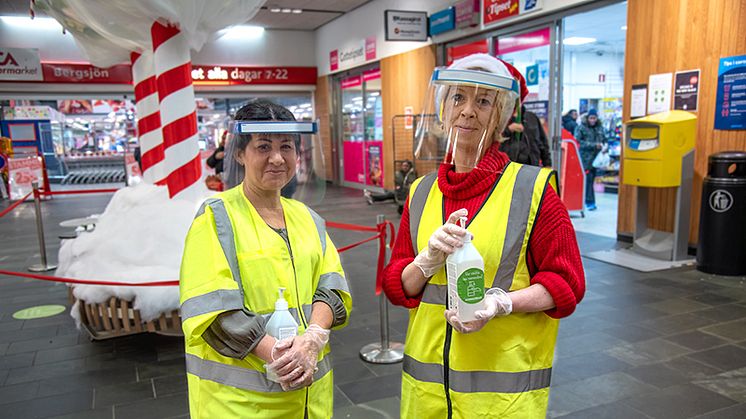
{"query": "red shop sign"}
pixel 351 82
pixel 495 10
pixel 523 41
pixel 235 75
pixel 86 73
pixel 460 51
pixel 372 74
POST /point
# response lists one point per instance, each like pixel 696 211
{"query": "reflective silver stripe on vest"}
pixel 479 381
pixel 435 294
pixel 520 209
pixel 417 206
pixel 212 301
pixel 307 308
pixel 225 237
pixel 243 378
pixel 333 281
pixel 321 228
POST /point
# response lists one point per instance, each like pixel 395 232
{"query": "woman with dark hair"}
pixel 243 245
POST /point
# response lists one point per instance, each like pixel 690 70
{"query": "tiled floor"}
pixel 660 345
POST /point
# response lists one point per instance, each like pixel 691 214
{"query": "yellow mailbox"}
pixel 655 147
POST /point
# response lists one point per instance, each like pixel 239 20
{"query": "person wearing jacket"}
pixel 243 245
pixel 215 160
pixel 569 121
pixel 525 140
pixel 591 136
pixel 403 179
pixel 498 366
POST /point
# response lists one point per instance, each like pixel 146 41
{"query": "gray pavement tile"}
pixel 51 406
pixel 372 388
pixel 160 369
pixel 617 410
pixel 585 366
pixel 17 393
pixel 562 402
pixel 678 305
pixel 735 330
pixel 680 401
pixel 350 371
pixel 11 361
pixel 171 384
pixel 585 343
pixel 712 299
pixel 102 413
pixel 11 325
pixel 658 375
pixel 340 400
pixel 647 352
pixel 85 380
pixel 609 388
pixel 631 333
pixel 678 323
pixel 728 357
pixel 378 409
pixel 696 340
pixel 3 376
pixel 385 369
pixel 17 336
pixel 122 393
pixel 162 407
pixel 733 412
pixel 731 384
pixel 3 348
pixel 42 343
pixel 692 369
pixel 68 352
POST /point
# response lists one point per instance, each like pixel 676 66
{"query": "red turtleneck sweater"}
pixel 553 255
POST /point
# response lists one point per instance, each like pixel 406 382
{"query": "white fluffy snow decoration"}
pixel 139 238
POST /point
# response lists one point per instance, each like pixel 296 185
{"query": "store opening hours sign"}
pixel 233 75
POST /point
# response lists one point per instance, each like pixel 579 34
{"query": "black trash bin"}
pixel 722 215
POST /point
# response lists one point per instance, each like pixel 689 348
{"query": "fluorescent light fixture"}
pixel 578 40
pixel 297 11
pixel 242 32
pixel 44 23
pixel 275 9
pixel 624 28
pixel 287 10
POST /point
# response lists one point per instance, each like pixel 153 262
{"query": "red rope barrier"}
pixel 352 227
pixel 78 192
pixel 15 204
pixel 84 282
pixel 348 247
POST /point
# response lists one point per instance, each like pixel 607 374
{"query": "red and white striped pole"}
pixel 148 118
pixel 173 70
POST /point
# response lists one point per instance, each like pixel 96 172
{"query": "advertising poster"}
pixel 659 99
pixel 639 100
pixel 20 64
pixel 730 105
pixel 21 173
pixel 686 90
pixel 541 109
pixel 405 26
pixel 375 169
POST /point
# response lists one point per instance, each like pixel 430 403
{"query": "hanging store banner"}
pixel 467 13
pixel 497 10
pixel 20 64
pixel 460 51
pixel 442 21
pixel 730 105
pixel 235 75
pixel 21 173
pixel 370 48
pixel 405 25
pixel 522 42
pixel 86 73
pixel 686 90
pixel 334 60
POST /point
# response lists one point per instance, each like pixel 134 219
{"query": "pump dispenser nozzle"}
pixel 462 223
pixel 281 303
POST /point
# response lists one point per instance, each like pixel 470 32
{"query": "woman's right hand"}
pixel 444 241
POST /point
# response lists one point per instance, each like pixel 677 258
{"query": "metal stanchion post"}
pixel 383 352
pixel 44 266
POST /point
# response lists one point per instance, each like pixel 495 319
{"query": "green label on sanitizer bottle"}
pixel 470 286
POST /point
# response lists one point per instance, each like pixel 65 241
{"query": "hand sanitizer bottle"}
pixel 465 271
pixel 281 325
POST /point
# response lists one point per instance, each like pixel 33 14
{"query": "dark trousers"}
pixel 590 195
pixel 385 196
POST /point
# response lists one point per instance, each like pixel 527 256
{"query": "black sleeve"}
pixel 544 150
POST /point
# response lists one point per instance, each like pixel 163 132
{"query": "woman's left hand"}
pixel 298 357
pixel 496 302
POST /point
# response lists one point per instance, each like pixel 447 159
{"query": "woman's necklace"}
pixel 274 217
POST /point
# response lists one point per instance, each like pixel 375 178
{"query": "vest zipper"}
pixel 305 412
pixel 446 365
pixel 301 315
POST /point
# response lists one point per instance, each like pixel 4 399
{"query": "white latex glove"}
pixel 496 303
pixel 444 241
pixel 298 357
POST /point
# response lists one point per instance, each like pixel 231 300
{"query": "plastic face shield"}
pixel 308 185
pixel 465 112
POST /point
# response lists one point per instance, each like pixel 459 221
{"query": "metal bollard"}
pixel 383 352
pixel 44 266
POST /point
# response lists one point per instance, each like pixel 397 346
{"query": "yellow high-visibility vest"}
pixel 503 370
pixel 234 261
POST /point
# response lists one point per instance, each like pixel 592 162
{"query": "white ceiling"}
pixel 315 12
pixel 603 24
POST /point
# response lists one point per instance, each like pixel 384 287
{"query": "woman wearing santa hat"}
pixel 498 365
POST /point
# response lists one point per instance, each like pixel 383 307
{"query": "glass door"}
pixel 362 129
pixel 532 54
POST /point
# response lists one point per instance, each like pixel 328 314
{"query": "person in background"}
pixel 402 180
pixel 569 121
pixel 215 160
pixel 591 136
pixel 243 245
pixel 498 366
